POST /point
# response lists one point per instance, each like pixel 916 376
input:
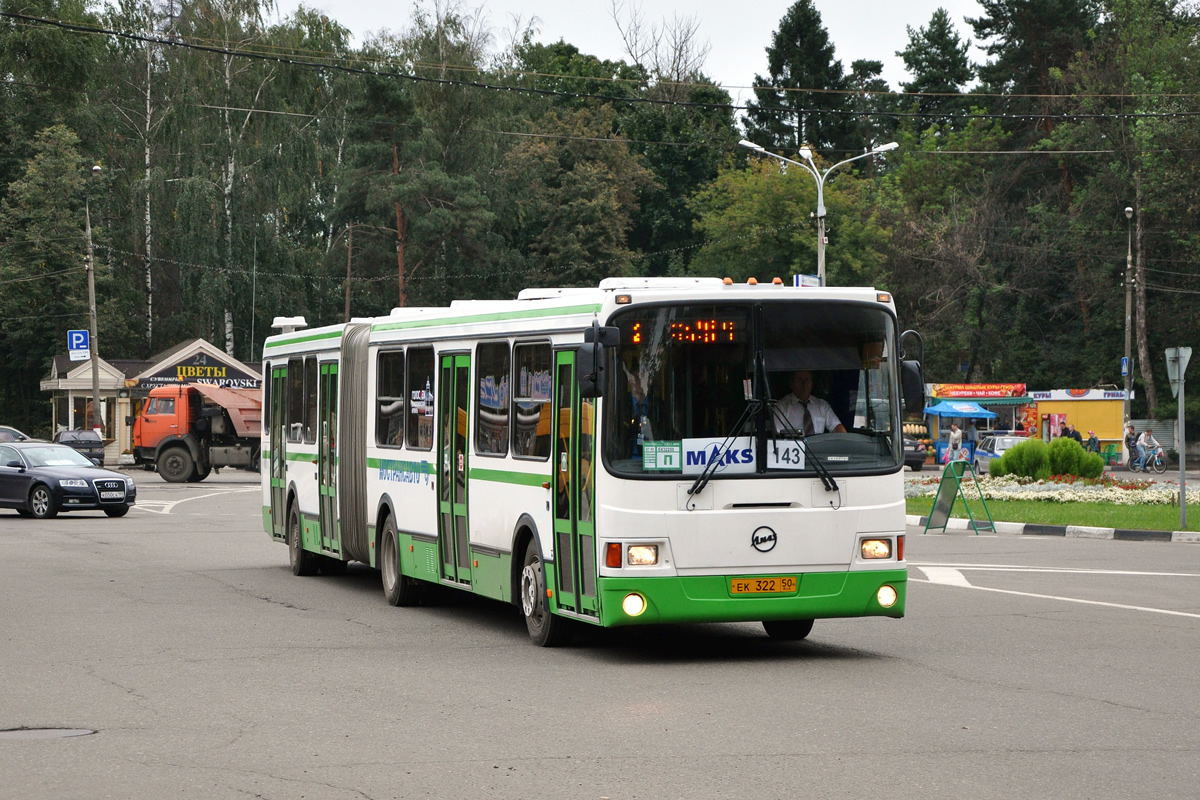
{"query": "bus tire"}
pixel 788 630
pixel 399 589
pixel 175 464
pixel 545 629
pixel 302 561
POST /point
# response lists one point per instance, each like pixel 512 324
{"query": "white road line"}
pixel 167 506
pixel 947 576
pixel 1080 570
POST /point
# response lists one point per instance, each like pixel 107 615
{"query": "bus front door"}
pixel 327 402
pixel 453 468
pixel 278 452
pixel 574 491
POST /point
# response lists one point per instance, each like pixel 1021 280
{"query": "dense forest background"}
pixel 252 170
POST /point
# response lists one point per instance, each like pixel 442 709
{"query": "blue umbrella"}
pixel 960 408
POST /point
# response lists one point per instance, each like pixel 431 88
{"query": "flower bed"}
pixel 1065 489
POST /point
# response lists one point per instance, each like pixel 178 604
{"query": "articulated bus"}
pixel 607 456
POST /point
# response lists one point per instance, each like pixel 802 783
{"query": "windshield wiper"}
pixel 782 423
pixel 710 467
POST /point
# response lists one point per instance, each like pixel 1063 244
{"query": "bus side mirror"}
pixel 912 387
pixel 590 357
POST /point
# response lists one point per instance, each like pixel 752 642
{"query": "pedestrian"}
pixel 1093 443
pixel 955 441
pixel 1130 445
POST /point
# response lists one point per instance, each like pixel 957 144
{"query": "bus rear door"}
pixel 279 394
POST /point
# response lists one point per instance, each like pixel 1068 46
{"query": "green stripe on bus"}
pixel 532 313
pixel 312 337
pixel 504 476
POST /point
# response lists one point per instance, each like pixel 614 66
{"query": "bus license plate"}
pixel 112 495
pixel 778 585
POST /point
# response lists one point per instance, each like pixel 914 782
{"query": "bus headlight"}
pixel 886 596
pixel 877 548
pixel 633 604
pixel 642 555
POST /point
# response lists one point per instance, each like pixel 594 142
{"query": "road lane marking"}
pixel 167 506
pixel 1078 570
pixel 949 576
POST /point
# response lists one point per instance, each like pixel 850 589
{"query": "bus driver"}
pixel 807 414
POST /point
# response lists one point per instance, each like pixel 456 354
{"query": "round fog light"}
pixel 633 604
pixel 886 596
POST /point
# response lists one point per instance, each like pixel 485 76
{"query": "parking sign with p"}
pixel 78 345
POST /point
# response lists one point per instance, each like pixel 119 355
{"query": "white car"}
pixel 991 447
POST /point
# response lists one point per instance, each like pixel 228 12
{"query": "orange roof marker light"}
pixel 777 281
pixel 883 297
pixel 752 281
pixel 728 281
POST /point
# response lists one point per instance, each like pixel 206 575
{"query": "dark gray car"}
pixel 87 442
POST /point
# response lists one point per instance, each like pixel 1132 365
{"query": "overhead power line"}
pixel 326 65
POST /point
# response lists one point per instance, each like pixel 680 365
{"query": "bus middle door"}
pixel 327 402
pixel 278 454
pixel 453 466
pixel 574 491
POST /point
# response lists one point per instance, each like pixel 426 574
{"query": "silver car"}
pixel 991 447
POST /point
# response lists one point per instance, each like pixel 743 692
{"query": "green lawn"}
pixel 1099 515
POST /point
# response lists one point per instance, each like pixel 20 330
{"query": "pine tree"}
pixel 803 100
pixel 937 59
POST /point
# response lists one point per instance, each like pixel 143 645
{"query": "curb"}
pixel 1071 531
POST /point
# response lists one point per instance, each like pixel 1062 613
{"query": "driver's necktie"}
pixel 808 423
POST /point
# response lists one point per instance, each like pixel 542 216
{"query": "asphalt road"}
pixel 1028 667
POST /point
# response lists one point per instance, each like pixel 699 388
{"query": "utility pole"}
pixel 96 421
pixel 1128 366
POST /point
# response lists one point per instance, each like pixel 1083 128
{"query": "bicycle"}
pixel 1156 462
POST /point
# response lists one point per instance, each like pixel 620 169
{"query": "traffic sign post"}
pixel 79 346
pixel 1177 362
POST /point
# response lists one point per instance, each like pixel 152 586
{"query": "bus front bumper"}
pixel 710 598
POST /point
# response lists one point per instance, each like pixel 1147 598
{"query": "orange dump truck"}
pixel 186 431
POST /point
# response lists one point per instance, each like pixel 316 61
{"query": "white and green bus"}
pixel 607 456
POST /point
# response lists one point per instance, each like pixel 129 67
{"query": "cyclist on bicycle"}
pixel 1147 449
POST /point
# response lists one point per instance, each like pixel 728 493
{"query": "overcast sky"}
pixel 737 34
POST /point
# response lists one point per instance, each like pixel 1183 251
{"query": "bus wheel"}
pixel 398 589
pixel 176 465
pixel 788 630
pixel 303 562
pixel 545 629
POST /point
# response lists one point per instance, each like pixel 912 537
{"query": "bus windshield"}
pixel 765 388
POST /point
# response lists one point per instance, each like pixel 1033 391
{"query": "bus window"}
pixel 310 400
pixel 419 434
pixel 491 405
pixel 389 411
pixel 295 411
pixel 531 401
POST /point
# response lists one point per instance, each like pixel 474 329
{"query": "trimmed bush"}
pixel 1065 455
pixel 996 467
pixel 1092 466
pixel 1026 459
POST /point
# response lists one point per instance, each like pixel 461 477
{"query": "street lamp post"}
pixel 96 422
pixel 1128 313
pixel 811 168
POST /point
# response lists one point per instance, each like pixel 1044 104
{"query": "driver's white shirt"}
pixel 823 418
